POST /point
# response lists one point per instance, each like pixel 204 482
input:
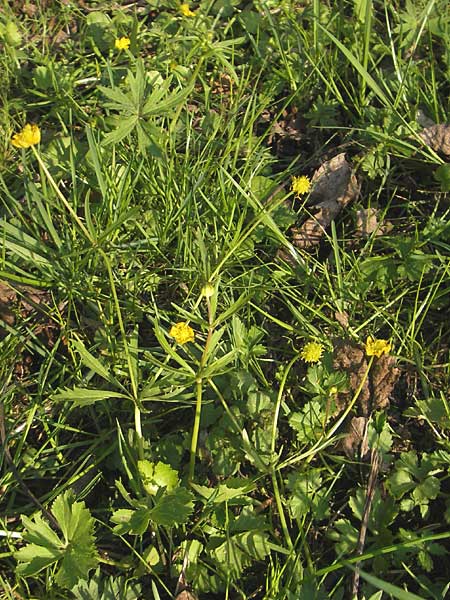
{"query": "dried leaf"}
pixel 367 222
pixel 24 298
pixel 351 358
pixel 374 394
pixel 186 595
pixel 341 318
pixel 384 375
pixel 354 435
pixel 334 186
pixel 377 388
pixel 437 137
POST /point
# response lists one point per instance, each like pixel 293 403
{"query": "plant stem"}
pixel 198 403
pixel 196 429
pixel 276 488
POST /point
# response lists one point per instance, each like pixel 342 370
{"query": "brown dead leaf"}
pixel 437 137
pixel 186 595
pixel 354 437
pixel 351 358
pixel 334 186
pixel 26 301
pixel 60 37
pixel 383 377
pixel 341 318
pixel 375 391
pixel 367 223
pixel 30 9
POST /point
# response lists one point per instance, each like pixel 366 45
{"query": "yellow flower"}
pixel 29 136
pixel 376 347
pixel 122 43
pixel 182 333
pixel 186 11
pixel 312 352
pixel 301 185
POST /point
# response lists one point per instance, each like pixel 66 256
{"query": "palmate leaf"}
pixel 75 553
pixel 237 552
pixel 156 476
pixel 169 509
pixel 106 588
pixel 173 508
pixel 125 127
pixel 131 521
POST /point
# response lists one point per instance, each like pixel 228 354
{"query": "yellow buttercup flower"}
pixel 186 11
pixel 122 43
pixel 300 185
pixel 312 352
pixel 182 333
pixel 29 136
pixel 376 347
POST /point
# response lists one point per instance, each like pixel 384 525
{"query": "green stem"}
pixel 138 430
pixel 195 430
pixel 199 388
pixel 284 527
pixel 276 489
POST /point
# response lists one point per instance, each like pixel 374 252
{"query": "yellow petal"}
pixel 29 136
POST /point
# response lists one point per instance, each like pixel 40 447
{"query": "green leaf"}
pixel 39 532
pixel 254 543
pixel 34 558
pixel 427 490
pixel 120 100
pixel 91 362
pixel 237 552
pixel 84 396
pixel 98 25
pixel 173 508
pixel 234 488
pixel 306 496
pixel 125 127
pixel 12 34
pixel 442 174
pixel 345 536
pixel 308 422
pixel 135 522
pixel 383 512
pixel 230 558
pixel 107 588
pixel 433 409
pixel 157 476
pixel 389 588
pixel 400 482
pixel 24 245
pixel 409 462
pixel 75 554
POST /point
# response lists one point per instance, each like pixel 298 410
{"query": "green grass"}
pixel 127 457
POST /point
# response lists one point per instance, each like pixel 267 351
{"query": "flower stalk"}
pixel 199 392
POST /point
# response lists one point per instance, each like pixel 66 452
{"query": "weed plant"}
pixel 181 381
